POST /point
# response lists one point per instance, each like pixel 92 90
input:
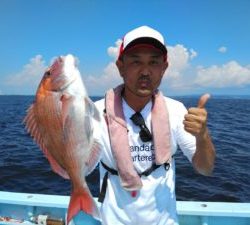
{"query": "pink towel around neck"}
pixel 118 135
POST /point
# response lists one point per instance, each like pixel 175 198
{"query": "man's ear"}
pixel 119 64
pixel 165 66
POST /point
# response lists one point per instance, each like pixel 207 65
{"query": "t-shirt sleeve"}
pixel 185 140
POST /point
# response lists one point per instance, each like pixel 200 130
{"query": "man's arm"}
pixel 195 122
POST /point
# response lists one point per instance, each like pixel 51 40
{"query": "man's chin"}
pixel 144 92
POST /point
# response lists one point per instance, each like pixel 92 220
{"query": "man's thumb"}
pixel 203 100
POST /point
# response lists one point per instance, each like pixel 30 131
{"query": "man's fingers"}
pixel 191 116
pixel 203 100
pixel 195 120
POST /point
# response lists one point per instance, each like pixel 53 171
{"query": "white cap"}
pixel 144 36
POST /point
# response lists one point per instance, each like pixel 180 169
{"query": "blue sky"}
pixel 208 42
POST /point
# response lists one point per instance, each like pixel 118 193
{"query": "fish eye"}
pixel 47 73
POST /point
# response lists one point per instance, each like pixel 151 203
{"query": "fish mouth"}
pixel 62 82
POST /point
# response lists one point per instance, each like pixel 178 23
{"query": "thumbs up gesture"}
pixel 195 121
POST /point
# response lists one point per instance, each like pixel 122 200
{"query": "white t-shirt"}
pixel 155 203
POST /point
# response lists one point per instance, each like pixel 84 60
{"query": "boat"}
pixel 30 209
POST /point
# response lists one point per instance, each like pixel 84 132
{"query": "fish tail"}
pixel 81 201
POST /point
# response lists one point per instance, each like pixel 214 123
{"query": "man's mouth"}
pixel 144 82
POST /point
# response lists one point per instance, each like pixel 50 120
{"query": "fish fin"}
pixel 82 200
pixel 94 157
pixel 56 167
pixel 32 127
pixel 66 100
pixel 91 109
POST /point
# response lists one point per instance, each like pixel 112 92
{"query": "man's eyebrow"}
pixel 156 55
pixel 133 55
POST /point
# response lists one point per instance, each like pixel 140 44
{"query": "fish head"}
pixel 60 74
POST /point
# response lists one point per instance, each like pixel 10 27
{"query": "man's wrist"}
pixel 203 136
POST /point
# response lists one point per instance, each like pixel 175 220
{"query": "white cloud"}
pixel 30 74
pixel 98 85
pixel 182 75
pixel 114 51
pixel 231 74
pixel 179 58
pixel 222 49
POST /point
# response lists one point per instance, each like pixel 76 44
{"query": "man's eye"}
pixel 154 62
pixel 136 62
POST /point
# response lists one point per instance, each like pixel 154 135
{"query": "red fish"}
pixel 61 122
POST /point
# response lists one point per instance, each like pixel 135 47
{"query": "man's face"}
pixel 142 70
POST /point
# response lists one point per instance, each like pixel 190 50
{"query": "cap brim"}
pixel 145 42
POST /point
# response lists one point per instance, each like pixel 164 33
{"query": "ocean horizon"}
pixel 223 96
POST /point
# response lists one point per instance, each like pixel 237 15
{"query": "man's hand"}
pixel 195 121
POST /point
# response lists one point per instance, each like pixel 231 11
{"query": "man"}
pixel 139 134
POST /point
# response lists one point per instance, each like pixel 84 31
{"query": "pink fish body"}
pixel 60 121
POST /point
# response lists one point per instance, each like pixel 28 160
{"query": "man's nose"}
pixel 145 70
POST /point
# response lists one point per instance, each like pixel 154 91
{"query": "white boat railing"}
pixel 189 212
